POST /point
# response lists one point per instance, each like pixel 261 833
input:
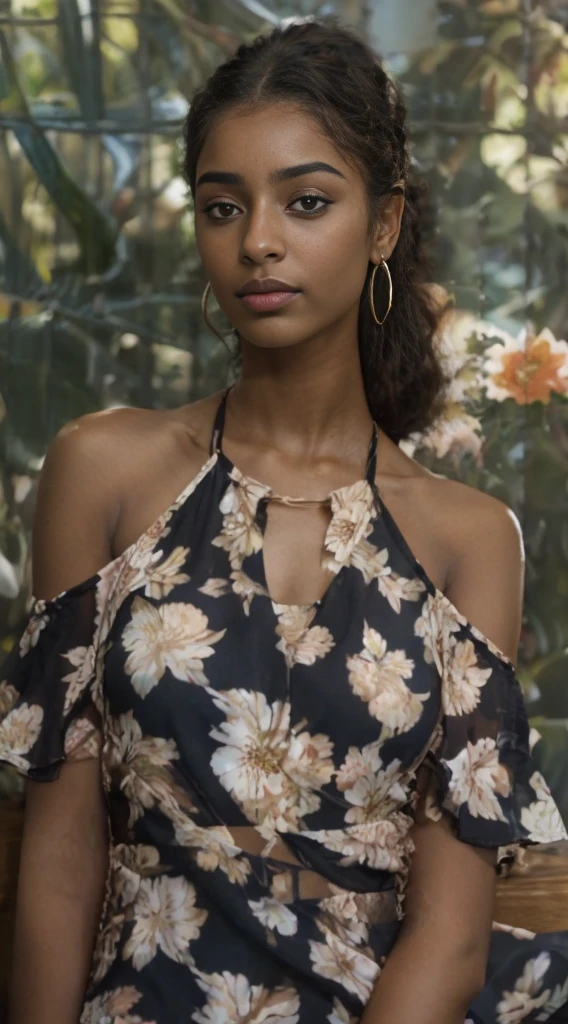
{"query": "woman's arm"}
pixel 60 890
pixel 64 850
pixel 438 964
pixel 439 961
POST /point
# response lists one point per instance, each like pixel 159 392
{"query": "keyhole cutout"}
pixel 292 553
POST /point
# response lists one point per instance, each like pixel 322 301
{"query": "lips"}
pixel 260 286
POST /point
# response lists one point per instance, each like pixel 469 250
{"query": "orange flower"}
pixel 527 368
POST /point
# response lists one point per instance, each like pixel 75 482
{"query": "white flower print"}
pixel 34 626
pixel 301 643
pixel 140 766
pixel 377 676
pixel 215 848
pixel 82 740
pixel 8 697
pixel 166 918
pixel 478 778
pixel 19 732
pixel 384 845
pixel 558 999
pixel 516 1006
pixel 463 678
pixel 240 535
pixel 339 1015
pixel 113 1007
pixel 272 771
pixel 351 511
pixel 373 789
pixel 436 627
pixel 174 637
pixel 275 915
pixel 374 565
pixel 542 817
pixel 246 589
pixel 163 573
pixel 231 999
pixel 83 660
pixel 347 966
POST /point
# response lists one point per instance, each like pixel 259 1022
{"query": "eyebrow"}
pixel 275 178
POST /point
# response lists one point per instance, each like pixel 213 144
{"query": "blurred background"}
pixel 100 279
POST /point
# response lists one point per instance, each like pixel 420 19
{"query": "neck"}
pixel 304 402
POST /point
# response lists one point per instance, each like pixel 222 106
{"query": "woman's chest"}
pixel 210 663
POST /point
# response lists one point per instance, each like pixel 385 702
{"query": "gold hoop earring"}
pixel 204 298
pixel 384 264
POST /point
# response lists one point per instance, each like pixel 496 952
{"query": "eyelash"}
pixel 306 195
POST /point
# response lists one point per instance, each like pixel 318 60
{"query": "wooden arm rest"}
pixel 535 895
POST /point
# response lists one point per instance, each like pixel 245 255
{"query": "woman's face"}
pixel 308 230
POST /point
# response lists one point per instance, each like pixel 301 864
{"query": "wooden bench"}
pixel 534 896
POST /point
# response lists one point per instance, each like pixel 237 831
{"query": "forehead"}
pixel 254 142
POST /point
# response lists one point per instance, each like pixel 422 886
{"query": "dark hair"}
pixel 326 70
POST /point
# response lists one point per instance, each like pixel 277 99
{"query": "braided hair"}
pixel 333 75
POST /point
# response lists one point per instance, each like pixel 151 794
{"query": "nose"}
pixel 263 234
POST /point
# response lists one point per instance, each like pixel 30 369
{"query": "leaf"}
pixel 19 276
pixel 95 232
pixel 82 57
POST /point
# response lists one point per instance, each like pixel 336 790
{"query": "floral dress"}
pixel 211 707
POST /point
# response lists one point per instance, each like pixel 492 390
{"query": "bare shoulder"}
pixel 98 469
pixel 469 542
pixel 486 564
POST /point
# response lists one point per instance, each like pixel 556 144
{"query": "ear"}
pixel 388 228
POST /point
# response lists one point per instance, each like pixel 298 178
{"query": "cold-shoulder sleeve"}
pixel 48 708
pixel 483 775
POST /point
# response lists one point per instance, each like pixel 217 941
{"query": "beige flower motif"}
pixel 231 999
pixel 374 565
pixel 373 789
pixel 351 511
pixel 282 886
pixel 246 589
pixel 240 534
pixel 272 771
pixel 349 967
pixel 301 643
pixel 557 999
pixel 517 933
pixel 166 918
pixel 162 576
pixel 215 849
pixel 274 915
pixel 113 1007
pixel 83 740
pixel 339 1015
pixel 463 678
pixel 385 845
pixel 478 778
pixel 34 626
pixel 171 636
pixel 82 659
pixel 516 1006
pixel 18 733
pixel 542 817
pixel 377 676
pixel 8 697
pixel 140 767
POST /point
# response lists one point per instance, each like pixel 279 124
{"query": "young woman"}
pixel 269 671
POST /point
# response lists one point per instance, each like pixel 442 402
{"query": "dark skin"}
pixel 298 421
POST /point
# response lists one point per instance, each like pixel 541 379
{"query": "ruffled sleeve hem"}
pixel 483 775
pixel 48 708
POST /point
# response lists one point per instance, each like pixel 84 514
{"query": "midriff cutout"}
pixel 311 885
